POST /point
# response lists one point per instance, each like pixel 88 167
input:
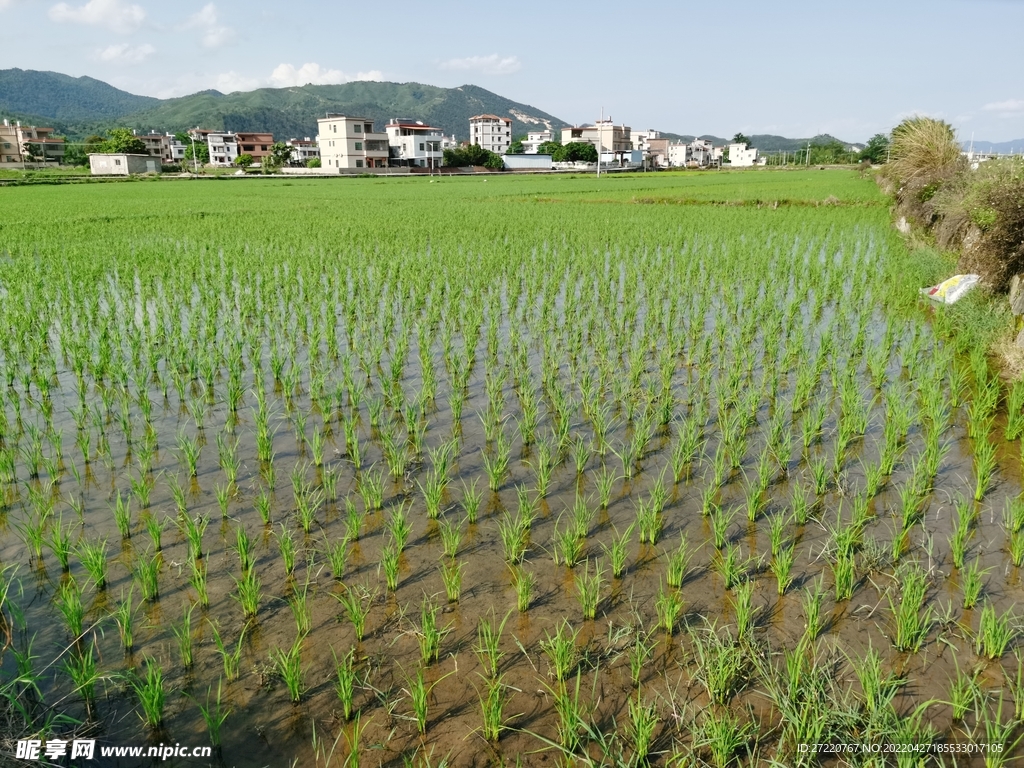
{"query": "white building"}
pixel 534 139
pixel 122 164
pixel 303 150
pixel 410 142
pixel 528 162
pixel 350 142
pixel 449 142
pixel 223 148
pixel 491 132
pixel 603 134
pixel 742 157
pixel 699 153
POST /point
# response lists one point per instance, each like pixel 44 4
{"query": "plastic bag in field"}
pixel 952 290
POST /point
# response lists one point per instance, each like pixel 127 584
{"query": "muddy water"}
pixel 266 729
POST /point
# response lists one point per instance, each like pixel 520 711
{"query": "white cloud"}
pixel 126 53
pixel 488 65
pixel 1008 107
pixel 112 14
pixel 286 75
pixel 214 34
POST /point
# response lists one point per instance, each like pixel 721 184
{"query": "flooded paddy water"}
pixel 710 495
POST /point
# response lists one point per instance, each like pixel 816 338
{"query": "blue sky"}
pixel 790 68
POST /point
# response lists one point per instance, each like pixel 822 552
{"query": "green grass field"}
pixel 664 469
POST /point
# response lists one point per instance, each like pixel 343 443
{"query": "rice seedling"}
pixel 429 633
pixel 122 517
pixel 337 557
pixel 81 668
pixel 451 537
pixel 146 574
pixel 492 707
pixel 523 582
pixel 248 592
pixel 183 636
pixel 844 576
pixel 60 543
pixel 229 658
pixel 197 578
pixel 487 648
pixel 911 624
pixel 781 566
pixel 433 494
pixel 151 694
pixel 561 651
pixel 399 527
pixel 298 601
pixel 93 556
pixel 995 632
pixel 568 547
pixel 649 522
pixel 345 683
pixel 288 665
pixel 286 546
pixel 69 604
pixel 390 559
pixel 729 566
pixel 972 584
pixel 723 667
pixel 371 488
pixel 723 735
pixel 588 590
pixel 878 688
pixel 124 617
pixel 213 714
pixel 677 564
pixel 451 576
pixel 984 467
pixel 356 602
pixel 812 599
pixel 245 548
pixel 801 503
pixel 668 606
pixel 642 723
pixel 471 499
pixel 353 521
pixel 963 691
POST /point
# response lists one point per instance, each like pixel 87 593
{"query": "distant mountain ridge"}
pixel 1015 146
pixel 64 98
pixel 79 106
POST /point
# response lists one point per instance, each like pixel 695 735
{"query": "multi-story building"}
pixel 303 150
pixel 491 132
pixel 699 153
pixel 411 142
pixel 21 144
pixel 154 143
pixel 350 142
pixel 603 134
pixel 223 148
pixel 256 144
pixel 10 148
pixel 742 157
pixel 534 139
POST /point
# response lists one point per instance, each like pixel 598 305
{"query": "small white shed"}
pixel 527 162
pixel 122 164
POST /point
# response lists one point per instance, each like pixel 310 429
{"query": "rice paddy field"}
pixel 667 469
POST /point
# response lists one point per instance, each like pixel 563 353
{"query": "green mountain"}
pixel 292 112
pixel 79 106
pixel 65 99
